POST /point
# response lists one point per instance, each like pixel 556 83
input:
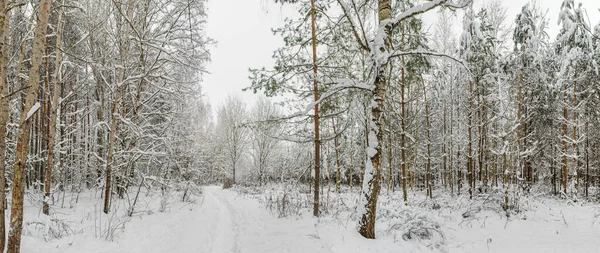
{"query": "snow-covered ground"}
pixel 220 221
pixel 543 223
pixel 551 226
pixel 278 219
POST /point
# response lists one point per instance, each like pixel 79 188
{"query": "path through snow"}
pixel 221 222
pixel 246 227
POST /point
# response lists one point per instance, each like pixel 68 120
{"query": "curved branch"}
pixel 434 54
pixel 361 43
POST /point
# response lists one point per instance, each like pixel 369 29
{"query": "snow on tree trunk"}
pixel 4 114
pixel 16 212
pixel 53 116
pixel 371 185
pixel 119 87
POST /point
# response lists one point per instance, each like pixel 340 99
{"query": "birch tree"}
pixel 232 116
pixel 264 114
pixel 575 46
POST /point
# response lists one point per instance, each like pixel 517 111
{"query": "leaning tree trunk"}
pixel 16 212
pixel 4 113
pixel 53 116
pixel 371 187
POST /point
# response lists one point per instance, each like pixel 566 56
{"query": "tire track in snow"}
pixel 225 240
pixel 257 231
pixel 235 218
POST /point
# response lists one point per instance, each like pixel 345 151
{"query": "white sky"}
pixel 242 29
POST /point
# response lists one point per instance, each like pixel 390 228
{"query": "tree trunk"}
pixel 470 151
pixel 371 187
pixel 403 127
pixel 451 162
pixel 4 113
pixel 328 170
pixel 520 105
pixel 564 141
pixel 316 116
pixel 428 183
pixel 390 160
pixel 351 170
pixel 445 177
pixel 115 110
pixel 587 158
pixel 138 98
pixel 337 157
pixel 553 167
pixel 16 222
pixel 460 172
pixel 478 175
pixel 55 104
pixel 575 148
pixel 234 159
pixel 505 177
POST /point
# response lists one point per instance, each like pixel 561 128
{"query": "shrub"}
pixel 227 183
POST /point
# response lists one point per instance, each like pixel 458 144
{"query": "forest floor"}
pixel 278 219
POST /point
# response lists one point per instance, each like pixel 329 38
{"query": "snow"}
pixel 151 232
pixel 32 110
pixel 278 219
pixel 545 224
pixel 548 228
pixel 220 222
pixel 28 11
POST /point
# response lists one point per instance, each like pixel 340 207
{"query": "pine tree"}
pixel 534 95
pixel 477 48
pixel 574 46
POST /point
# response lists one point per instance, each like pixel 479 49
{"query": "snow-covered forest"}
pixel 380 126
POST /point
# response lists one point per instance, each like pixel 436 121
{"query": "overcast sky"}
pixel 242 29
